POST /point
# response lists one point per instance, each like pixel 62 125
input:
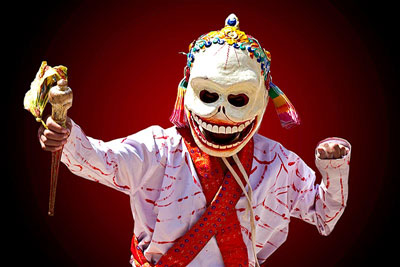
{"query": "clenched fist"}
pixel 332 150
pixel 53 138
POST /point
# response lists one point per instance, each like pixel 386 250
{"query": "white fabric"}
pixel 154 168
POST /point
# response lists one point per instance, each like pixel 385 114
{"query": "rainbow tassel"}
pixel 178 117
pixel 286 112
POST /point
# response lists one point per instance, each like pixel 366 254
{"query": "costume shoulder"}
pixel 157 136
pixel 265 143
pixel 265 148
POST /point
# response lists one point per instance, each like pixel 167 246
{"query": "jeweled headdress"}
pixel 231 36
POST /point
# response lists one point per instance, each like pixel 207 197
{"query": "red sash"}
pixel 219 219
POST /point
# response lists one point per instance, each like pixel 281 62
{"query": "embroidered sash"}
pixel 219 219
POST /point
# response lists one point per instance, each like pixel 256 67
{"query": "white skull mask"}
pixel 226 89
pixel 225 99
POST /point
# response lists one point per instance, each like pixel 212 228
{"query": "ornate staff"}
pixel 60 96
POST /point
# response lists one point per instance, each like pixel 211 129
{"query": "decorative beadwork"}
pixel 232 36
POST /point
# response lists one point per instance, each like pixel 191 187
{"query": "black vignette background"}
pixel 95 231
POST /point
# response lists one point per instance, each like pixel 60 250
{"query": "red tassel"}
pixel 178 117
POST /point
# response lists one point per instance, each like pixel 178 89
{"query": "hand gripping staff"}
pixel 50 84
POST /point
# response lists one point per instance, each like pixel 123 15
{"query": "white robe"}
pixel 154 168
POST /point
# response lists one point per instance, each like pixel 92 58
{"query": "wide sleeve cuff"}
pixel 333 164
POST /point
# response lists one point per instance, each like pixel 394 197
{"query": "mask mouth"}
pixel 223 135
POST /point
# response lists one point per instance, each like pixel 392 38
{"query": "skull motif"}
pixel 226 89
pixel 225 100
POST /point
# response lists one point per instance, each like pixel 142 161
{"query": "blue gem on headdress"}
pixel 232 21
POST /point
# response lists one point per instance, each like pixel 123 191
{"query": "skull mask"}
pixel 226 89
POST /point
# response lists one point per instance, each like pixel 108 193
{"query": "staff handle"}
pixel 60 98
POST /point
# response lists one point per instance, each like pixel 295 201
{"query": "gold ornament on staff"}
pixel 50 84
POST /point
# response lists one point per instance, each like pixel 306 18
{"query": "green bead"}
pixel 201 43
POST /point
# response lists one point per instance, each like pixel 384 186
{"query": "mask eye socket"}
pixel 208 97
pixel 239 100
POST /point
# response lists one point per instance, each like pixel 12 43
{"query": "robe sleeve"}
pixel 319 204
pixel 119 164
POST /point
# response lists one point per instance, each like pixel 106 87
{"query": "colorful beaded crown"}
pixel 237 39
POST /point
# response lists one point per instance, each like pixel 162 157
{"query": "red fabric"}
pixel 222 194
pixel 220 217
pixel 137 254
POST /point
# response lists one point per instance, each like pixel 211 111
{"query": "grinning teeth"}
pixel 218 129
pixel 221 129
pixel 236 144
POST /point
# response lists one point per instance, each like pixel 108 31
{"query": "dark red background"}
pixel 334 60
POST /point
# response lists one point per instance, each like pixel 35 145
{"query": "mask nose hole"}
pixel 221 109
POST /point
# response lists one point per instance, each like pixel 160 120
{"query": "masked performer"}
pixel 210 191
